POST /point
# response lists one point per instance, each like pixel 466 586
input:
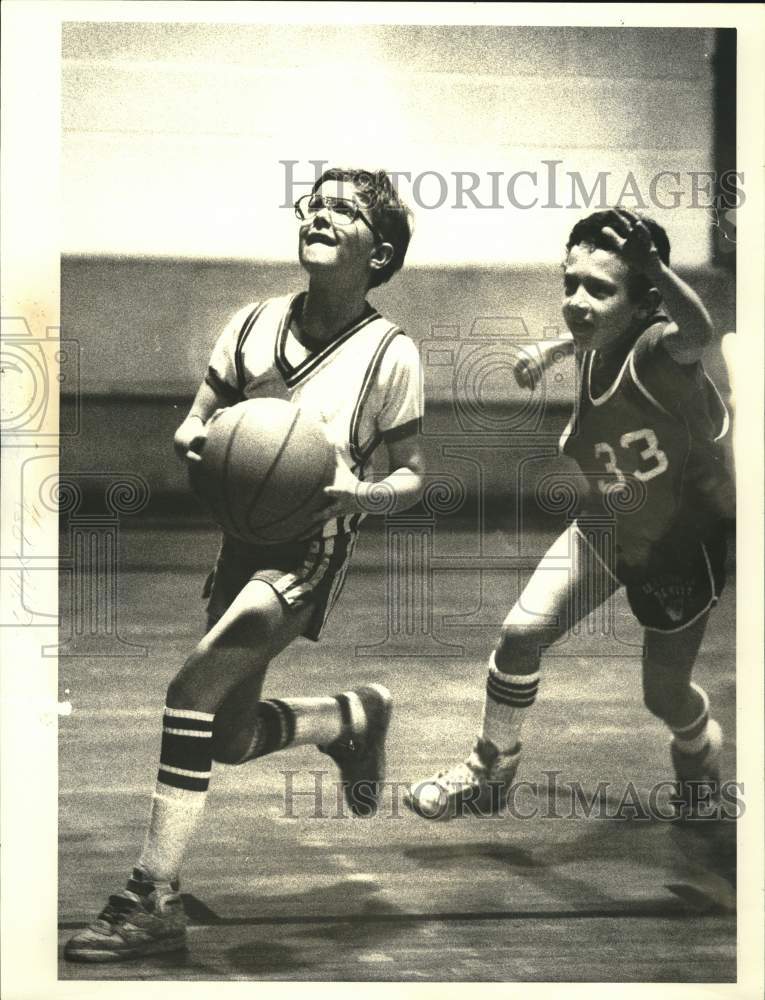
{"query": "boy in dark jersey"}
pixel 645 434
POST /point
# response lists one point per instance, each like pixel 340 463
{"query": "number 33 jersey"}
pixel 646 434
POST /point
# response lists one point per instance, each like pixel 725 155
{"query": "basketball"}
pixel 262 470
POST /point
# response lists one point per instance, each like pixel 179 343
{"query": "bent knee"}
pixel 187 689
pixel 519 647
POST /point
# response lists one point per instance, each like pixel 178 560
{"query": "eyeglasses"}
pixel 340 211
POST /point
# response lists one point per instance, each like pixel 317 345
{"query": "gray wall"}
pixel 145 329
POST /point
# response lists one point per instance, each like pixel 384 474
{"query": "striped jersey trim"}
pixel 359 453
pixel 579 390
pixel 339 572
pixel 280 358
pixel 648 395
pixel 292 375
pixel 600 400
pixel 293 584
pixel 244 333
pixel 723 408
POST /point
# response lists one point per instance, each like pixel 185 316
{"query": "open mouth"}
pixel 319 238
pixel 581 329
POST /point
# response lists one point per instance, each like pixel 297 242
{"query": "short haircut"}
pixel 589 231
pixel 387 212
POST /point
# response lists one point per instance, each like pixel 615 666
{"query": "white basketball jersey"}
pixel 362 386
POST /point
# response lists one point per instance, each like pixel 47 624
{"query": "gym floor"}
pixel 281 884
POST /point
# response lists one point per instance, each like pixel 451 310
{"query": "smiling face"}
pixel 344 250
pixel 596 305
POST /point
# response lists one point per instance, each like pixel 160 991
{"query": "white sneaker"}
pixel 476 787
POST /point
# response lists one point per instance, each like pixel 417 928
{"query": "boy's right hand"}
pixel 189 439
pixel 635 243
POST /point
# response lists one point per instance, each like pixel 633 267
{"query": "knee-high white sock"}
pixel 508 698
pixel 185 766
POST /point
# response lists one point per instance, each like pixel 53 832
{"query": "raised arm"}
pixel 691 330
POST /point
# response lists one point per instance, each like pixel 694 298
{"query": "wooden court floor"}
pixel 280 884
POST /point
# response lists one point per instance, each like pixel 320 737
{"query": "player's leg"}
pixel 218 690
pixel 256 627
pixel 570 581
pixel 671 695
pixel 147 916
pixel 350 727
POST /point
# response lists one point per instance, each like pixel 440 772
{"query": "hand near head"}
pixel 632 240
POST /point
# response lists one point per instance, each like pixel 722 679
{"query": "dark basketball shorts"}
pixel 681 579
pixel 311 571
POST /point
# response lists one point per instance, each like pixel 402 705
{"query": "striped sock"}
pixel 284 722
pixel 694 737
pixel 508 698
pixel 185 765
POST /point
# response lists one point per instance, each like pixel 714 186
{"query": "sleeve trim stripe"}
pixel 221 387
pixel 403 430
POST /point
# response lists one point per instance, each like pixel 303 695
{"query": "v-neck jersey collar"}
pixel 291 372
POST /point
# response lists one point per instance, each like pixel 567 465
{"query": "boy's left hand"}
pixel 345 495
pixel 633 241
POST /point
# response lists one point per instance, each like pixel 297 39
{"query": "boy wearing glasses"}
pixel 329 351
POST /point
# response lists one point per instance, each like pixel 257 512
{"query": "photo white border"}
pixel 31 74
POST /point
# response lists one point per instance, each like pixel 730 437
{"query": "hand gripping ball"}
pixel 262 470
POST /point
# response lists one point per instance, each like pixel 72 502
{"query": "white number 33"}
pixel 650 454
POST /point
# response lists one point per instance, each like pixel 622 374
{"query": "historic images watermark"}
pixel 549 186
pixel 317 795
